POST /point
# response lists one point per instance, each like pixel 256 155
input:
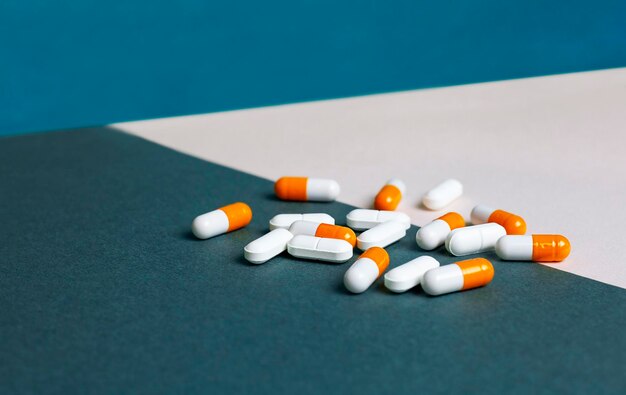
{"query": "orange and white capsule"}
pixel 325 231
pixel 370 266
pixel 433 235
pixel 306 189
pixel 459 276
pixel 390 195
pixel 223 220
pixel 513 224
pixel 536 248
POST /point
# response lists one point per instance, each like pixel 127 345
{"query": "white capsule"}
pixel 362 274
pixel 224 219
pixel 285 220
pixel 443 194
pixel 408 275
pixel 459 276
pixel 362 219
pixel 515 248
pixel 321 249
pixel 307 189
pixel 474 239
pixel 267 246
pixel 381 235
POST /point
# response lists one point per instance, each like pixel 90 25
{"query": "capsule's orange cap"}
pixel 476 272
pixel 239 215
pixel 379 256
pixel 291 188
pixel 336 232
pixel 454 220
pixel 388 198
pixel 550 248
pixel 513 224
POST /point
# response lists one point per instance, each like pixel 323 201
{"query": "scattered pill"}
pixel 285 220
pixel 443 194
pixel 459 276
pixel 303 189
pixel 537 248
pixel 390 195
pixel 323 230
pixel 474 239
pixel 514 224
pixel 381 235
pixel 317 248
pixel 223 220
pixel 267 246
pixel 433 235
pixel 408 275
pixel 362 219
pixel 368 267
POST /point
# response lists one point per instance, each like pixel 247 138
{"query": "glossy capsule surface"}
pixel 474 239
pixel 536 248
pixel 306 189
pixel 390 195
pixel 323 230
pixel 459 276
pixel 433 235
pixel 443 194
pixel 512 223
pixel 368 267
pixel 223 220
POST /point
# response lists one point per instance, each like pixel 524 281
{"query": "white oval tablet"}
pixel 443 194
pixel 474 239
pixel 362 219
pixel 321 249
pixel 285 220
pixel 381 235
pixel 408 275
pixel 267 246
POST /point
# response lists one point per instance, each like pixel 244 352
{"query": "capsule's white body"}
pixel 408 275
pixel 304 228
pixel 210 224
pixel 361 275
pixel 443 280
pixel 285 220
pixel 474 239
pixel 267 246
pixel 321 249
pixel 362 219
pixel 398 183
pixel 432 235
pixel 480 214
pixel 443 194
pixel 515 248
pixel 381 235
pixel 322 190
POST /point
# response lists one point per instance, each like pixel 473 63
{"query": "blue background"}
pixel 76 63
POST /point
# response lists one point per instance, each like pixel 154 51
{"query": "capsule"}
pixel 317 248
pixel 536 248
pixel 514 224
pixel 363 219
pixel 433 235
pixel 459 276
pixel 370 266
pixel 267 246
pixel 390 195
pixel 443 194
pixel 285 220
pixel 410 274
pixel 323 230
pixel 474 239
pixel 223 220
pixel 306 189
pixel 381 235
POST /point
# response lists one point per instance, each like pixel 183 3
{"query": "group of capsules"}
pixel 315 236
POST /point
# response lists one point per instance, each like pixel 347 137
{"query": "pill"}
pixel 408 275
pixel 433 235
pixel 537 248
pixel 390 195
pixel 317 248
pixel 323 230
pixel 381 235
pixel 285 220
pixel 368 267
pixel 267 246
pixel 223 220
pixel 362 219
pixel 474 239
pixel 514 224
pixel 459 276
pixel 304 188
pixel 443 194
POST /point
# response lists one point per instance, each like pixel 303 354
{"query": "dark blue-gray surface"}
pixel 104 290
pixel 79 63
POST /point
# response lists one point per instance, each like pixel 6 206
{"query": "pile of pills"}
pixel 316 236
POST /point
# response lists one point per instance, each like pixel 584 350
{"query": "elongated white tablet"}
pixel 408 275
pixel 285 220
pixel 267 246
pixel 381 235
pixel 362 219
pixel 443 194
pixel 317 248
pixel 474 239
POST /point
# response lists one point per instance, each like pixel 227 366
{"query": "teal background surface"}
pixel 79 63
